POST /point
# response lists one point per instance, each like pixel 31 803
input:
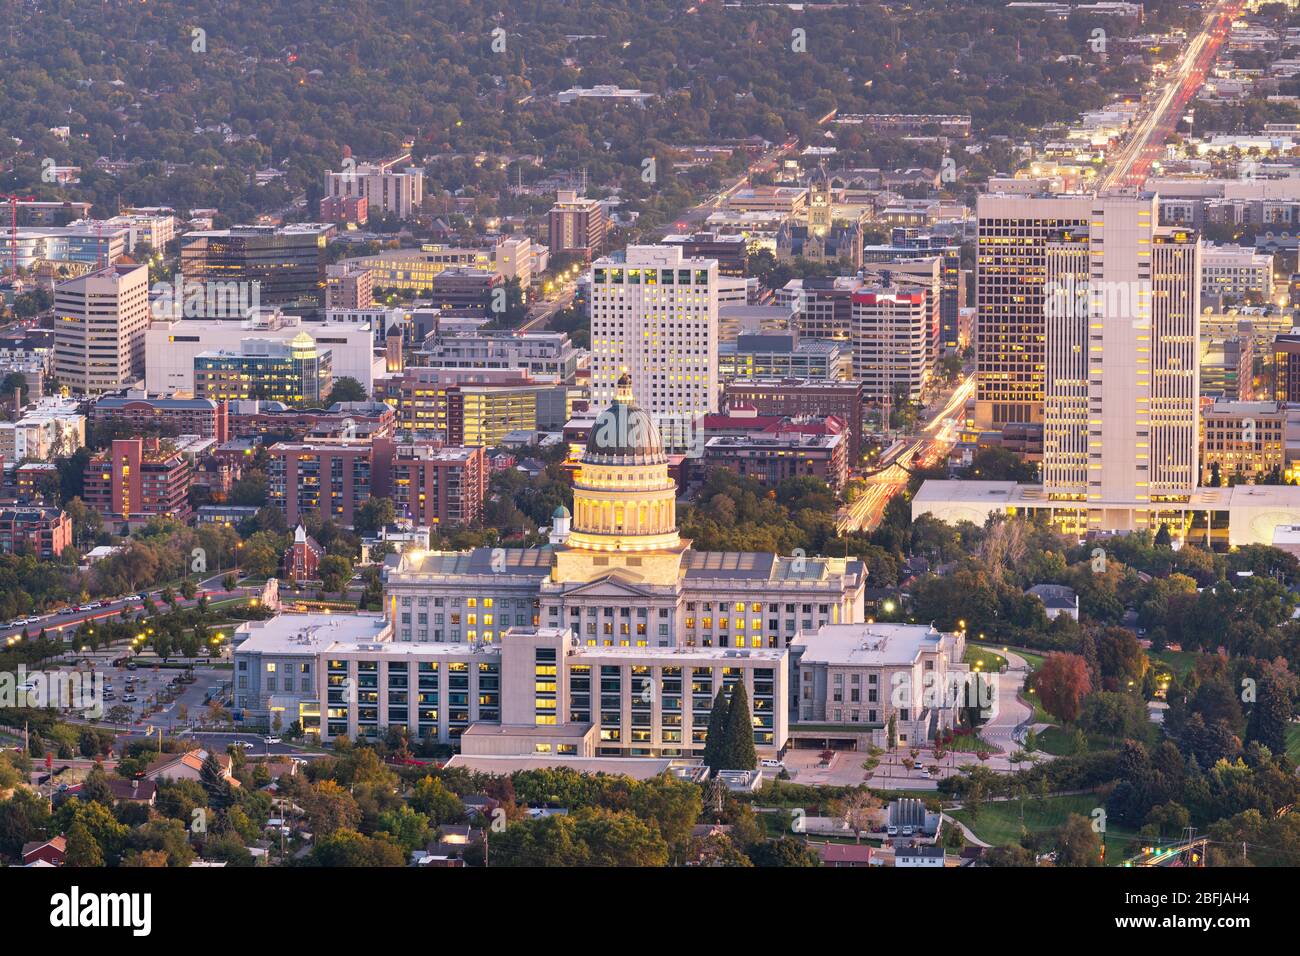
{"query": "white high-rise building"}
pixel 895 335
pixel 100 322
pixel 1121 310
pixel 654 315
pixel 392 186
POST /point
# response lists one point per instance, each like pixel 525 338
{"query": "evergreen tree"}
pixel 739 753
pixel 214 782
pixel 1269 717
pixel 714 741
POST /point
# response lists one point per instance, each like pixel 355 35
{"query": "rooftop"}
pixel 309 633
pixel 868 645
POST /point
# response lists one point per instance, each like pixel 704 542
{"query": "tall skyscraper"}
pixel 654 315
pixel 1010 270
pixel 1121 316
pixel 100 324
pixel 895 335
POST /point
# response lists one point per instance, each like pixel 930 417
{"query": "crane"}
pixel 14 199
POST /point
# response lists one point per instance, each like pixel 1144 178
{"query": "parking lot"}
pixel 152 694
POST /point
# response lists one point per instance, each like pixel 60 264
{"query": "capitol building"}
pixel 617 573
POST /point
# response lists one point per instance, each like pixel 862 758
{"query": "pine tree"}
pixel 214 782
pixel 1269 717
pixel 739 753
pixel 714 741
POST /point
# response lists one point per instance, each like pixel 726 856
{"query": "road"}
pixel 73 617
pixel 892 474
pixel 218 741
pixel 1132 164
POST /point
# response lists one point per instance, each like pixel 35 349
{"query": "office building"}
pixel 171 347
pixel 1123 300
pixel 654 316
pixel 1245 441
pixel 857 677
pixel 730 251
pixel 1009 293
pixel 784 355
pixel 99 332
pixel 393 187
pixel 907 245
pixel 295 372
pixel 1231 273
pixel 895 335
pixel 285 265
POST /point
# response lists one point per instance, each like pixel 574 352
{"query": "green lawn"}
pixel 1180 662
pixel 1033 658
pixel 989 661
pixel 999 823
pixel 1293 742
pixel 1057 741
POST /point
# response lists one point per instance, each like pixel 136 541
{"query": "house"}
pixel 188 766
pixel 1057 599
pixel 302 560
pixel 50 852
pixel 135 790
pixel 844 854
pixel 919 856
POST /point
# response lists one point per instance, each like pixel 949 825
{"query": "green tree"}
pixel 715 738
pixel 1077 843
pixel 83 850
pixel 739 752
pixel 432 798
pixel 346 389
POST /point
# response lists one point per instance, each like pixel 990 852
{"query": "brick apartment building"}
pixel 137 479
pixel 439 486
pixel 331 477
pixel 44 532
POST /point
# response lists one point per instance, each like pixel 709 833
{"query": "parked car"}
pixel 271 739
pixel 907 831
pixel 771 764
pixel 892 831
pixel 130 699
pixel 247 744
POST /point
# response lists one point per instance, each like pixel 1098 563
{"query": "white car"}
pixel 771 764
pixel 272 739
pixel 247 744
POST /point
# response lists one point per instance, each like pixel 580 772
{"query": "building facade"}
pixel 654 316
pixel 100 323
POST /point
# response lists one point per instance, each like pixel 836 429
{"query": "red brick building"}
pixel 44 532
pixel 800 398
pixel 252 419
pixel 189 416
pixel 438 486
pixel 331 477
pixel 137 479
pixel 302 559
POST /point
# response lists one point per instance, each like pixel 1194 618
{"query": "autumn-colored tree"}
pixel 1062 683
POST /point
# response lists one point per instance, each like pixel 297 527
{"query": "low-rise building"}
pixel 772 457
pixel 852 679
pixel 44 532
